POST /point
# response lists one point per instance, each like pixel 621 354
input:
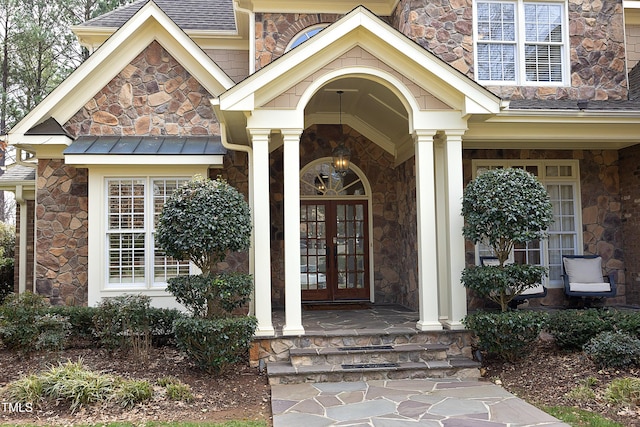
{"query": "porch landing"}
pixel 378 343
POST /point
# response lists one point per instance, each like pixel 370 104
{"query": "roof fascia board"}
pixel 114 55
pixel 379 7
pixel 567 116
pixel 139 159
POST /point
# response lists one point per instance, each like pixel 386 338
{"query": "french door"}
pixel 334 254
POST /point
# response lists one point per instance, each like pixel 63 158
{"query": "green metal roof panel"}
pixel 146 145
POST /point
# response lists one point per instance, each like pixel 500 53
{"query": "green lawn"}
pixel 579 418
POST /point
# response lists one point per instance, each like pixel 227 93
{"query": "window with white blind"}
pixel 521 42
pixel 561 179
pixel 133 209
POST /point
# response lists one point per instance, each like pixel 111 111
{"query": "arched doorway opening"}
pixel 335 224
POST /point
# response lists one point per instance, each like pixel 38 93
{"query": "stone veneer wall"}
pixel 154 95
pixel 377 165
pixel 30 243
pixel 596 33
pixel 274 31
pixel 601 209
pixel 62 232
pixel 630 190
pixel 408 223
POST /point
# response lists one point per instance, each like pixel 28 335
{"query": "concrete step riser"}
pixel 366 357
pixel 351 376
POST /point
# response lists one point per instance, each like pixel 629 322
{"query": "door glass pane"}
pixel 313 262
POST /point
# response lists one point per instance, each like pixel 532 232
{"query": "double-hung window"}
pixel 521 42
pixel 561 179
pixel 133 208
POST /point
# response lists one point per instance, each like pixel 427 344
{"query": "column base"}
pixel 292 330
pixel 428 326
pixel 454 326
pixel 267 331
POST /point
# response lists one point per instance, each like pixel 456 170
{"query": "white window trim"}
pixel 97 268
pixel 521 78
pixel 302 33
pixel 546 180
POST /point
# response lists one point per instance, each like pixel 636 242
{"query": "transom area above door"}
pixel 319 179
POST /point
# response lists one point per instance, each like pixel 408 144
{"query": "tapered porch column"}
pixel 427 240
pixel 261 230
pixel 455 254
pixel 292 293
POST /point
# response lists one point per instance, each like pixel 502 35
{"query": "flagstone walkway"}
pixel 395 403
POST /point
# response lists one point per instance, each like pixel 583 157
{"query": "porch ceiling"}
pixel 367 106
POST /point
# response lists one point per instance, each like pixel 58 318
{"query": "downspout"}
pixel 252 37
pixel 22 268
pixel 246 149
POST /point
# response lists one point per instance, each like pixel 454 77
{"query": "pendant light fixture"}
pixel 341 154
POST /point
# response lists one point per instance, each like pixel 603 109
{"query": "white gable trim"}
pixel 362 28
pixel 149 24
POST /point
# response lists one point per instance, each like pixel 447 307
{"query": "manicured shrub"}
pixel 613 350
pixel 506 335
pixel 572 329
pixel 122 322
pixel 628 322
pixel 81 320
pixel 6 278
pixel 27 326
pixel 161 325
pixel 214 295
pixel 501 208
pixel 215 344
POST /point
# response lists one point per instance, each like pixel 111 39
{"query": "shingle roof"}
pixel 146 145
pixel 569 104
pixel 19 173
pixel 215 15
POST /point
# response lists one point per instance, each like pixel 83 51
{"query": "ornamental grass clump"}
pixel 503 208
pixel 204 221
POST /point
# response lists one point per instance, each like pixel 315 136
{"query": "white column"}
pixel 427 242
pixel 442 230
pixel 455 253
pixel 261 230
pixel 292 293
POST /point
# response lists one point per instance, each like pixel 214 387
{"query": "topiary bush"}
pixel 613 350
pixel 204 221
pixel 572 329
pixel 502 208
pixel 27 326
pixel 506 335
pixel 215 344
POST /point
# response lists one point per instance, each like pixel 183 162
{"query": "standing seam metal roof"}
pixel 146 145
pixel 215 15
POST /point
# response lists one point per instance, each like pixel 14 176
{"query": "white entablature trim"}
pixel 149 24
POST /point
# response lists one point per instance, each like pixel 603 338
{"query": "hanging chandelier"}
pixel 341 155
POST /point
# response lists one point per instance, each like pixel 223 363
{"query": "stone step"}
pixel 453 367
pixel 368 354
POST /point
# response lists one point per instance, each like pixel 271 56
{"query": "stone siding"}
pixel 154 95
pixel 62 232
pixel 408 224
pixel 630 185
pixel 601 209
pixel 274 31
pixel 596 38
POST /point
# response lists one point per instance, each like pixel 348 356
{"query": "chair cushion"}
pixel 538 289
pixel 589 287
pixel 583 270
